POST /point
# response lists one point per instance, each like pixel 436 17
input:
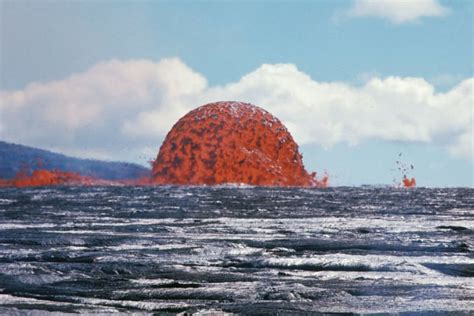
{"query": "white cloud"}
pixel 88 112
pixel 123 109
pixel 397 11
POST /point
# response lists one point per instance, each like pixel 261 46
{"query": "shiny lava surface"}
pixel 236 249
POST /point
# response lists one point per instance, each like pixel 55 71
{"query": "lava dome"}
pixel 230 142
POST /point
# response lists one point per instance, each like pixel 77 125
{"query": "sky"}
pixel 359 84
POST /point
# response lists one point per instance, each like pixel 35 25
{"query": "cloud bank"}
pixel 397 11
pixel 123 109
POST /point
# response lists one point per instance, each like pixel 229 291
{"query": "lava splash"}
pixel 409 183
pixel 231 142
pixel 405 169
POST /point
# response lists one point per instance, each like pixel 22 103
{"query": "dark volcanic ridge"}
pixel 15 159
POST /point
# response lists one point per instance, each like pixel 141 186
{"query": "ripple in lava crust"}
pixel 230 142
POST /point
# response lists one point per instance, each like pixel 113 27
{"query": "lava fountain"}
pixel 405 169
pixel 409 183
pixel 231 142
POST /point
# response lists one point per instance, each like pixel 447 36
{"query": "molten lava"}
pixel 409 183
pixel 42 177
pixel 231 142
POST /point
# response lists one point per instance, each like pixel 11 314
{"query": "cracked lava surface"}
pixel 231 142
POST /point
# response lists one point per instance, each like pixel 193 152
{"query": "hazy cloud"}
pixel 397 11
pixel 123 109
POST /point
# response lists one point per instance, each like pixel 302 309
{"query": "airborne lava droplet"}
pixel 231 142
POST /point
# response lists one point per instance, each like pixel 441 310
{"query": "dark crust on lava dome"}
pixel 230 142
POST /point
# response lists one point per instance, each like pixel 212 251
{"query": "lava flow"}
pixel 41 177
pixel 231 142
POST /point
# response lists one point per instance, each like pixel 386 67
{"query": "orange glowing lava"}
pixel 42 177
pixel 405 169
pixel 409 183
pixel 231 142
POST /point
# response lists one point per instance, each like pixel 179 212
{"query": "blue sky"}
pixel 215 45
